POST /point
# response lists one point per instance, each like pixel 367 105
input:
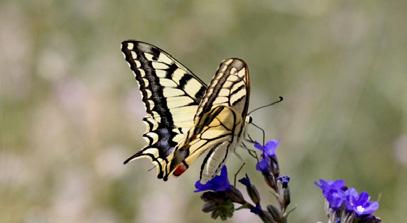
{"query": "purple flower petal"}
pixel 256 210
pixel 326 185
pixel 333 191
pixel 363 197
pixel 366 209
pixel 269 149
pixel 258 146
pixel 335 198
pixel 284 180
pixel 351 195
pixel 218 183
pixel 360 203
pixel 263 165
pixel 245 181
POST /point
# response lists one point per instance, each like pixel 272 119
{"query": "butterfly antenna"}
pixel 280 99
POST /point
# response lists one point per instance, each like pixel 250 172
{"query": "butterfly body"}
pixel 185 118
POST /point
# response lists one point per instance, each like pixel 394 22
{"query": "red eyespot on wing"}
pixel 180 169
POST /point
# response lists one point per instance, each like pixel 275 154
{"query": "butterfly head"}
pixel 249 119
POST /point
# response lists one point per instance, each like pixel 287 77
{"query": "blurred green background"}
pixel 71 111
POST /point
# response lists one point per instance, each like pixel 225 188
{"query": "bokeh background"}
pixel 71 111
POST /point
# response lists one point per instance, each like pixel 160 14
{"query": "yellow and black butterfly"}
pixel 185 117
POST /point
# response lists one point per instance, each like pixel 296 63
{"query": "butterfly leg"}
pixel 238 155
pixel 250 139
pixel 251 152
pixel 262 131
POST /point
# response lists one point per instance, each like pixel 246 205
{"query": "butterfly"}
pixel 186 118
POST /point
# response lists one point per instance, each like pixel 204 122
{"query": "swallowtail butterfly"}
pixel 185 117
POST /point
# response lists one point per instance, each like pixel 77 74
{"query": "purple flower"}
pixel 246 181
pixel 251 189
pixel 217 184
pixel 333 191
pixel 284 180
pixel 339 196
pixel 268 154
pixel 335 198
pixel 263 164
pixel 327 185
pixel 269 149
pixel 360 203
pixel 256 209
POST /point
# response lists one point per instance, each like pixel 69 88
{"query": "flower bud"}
pixel 275 213
pixel 251 189
pixel 286 197
pixel 253 194
pixel 283 180
pixel 235 195
pixel 274 167
pixel 267 217
pixel 270 180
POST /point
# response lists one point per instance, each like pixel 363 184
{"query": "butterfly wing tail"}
pixel 151 153
pixel 159 148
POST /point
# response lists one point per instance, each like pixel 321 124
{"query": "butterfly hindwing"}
pixel 171 94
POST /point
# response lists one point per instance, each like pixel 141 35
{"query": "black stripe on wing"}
pixel 171 94
pixel 229 87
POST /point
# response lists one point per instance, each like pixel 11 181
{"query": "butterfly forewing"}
pixel 171 94
pixel 219 121
pixel 229 87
